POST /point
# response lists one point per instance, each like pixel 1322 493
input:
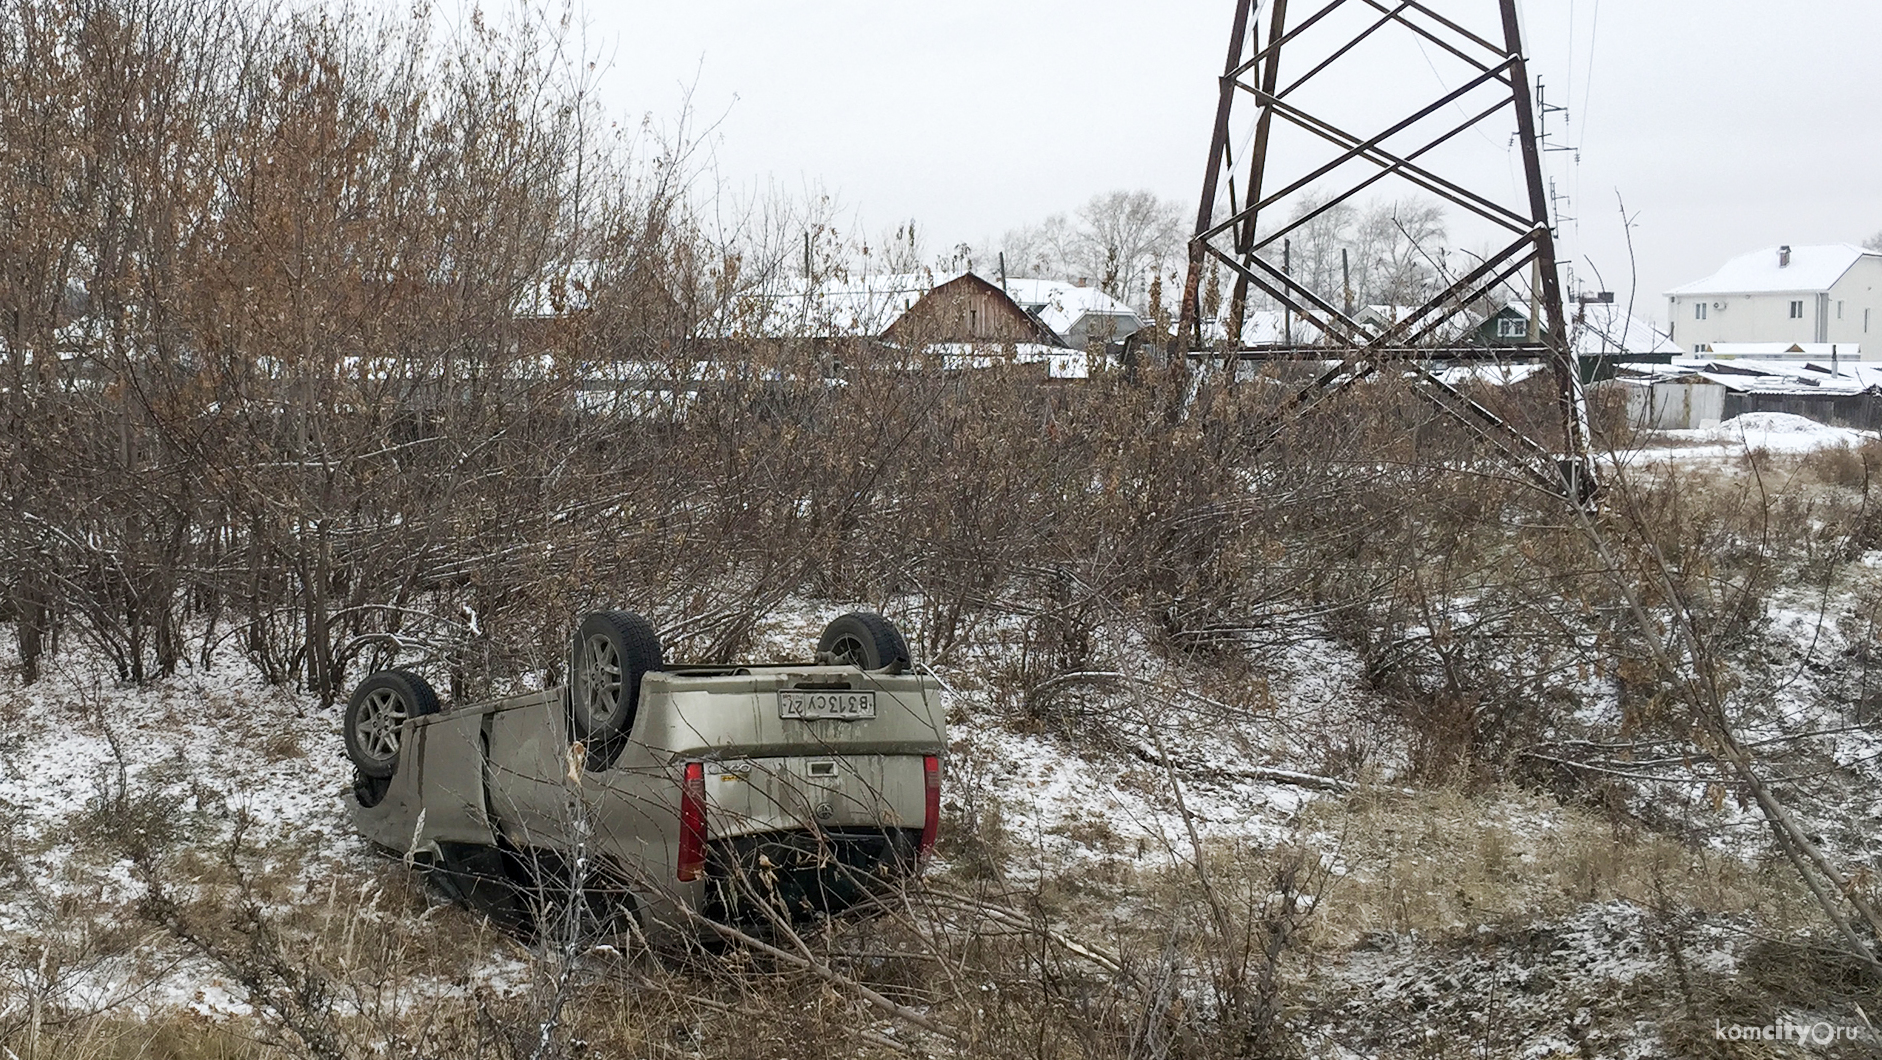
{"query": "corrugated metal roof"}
pixel 1766 377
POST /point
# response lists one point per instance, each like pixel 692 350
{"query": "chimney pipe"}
pixel 1784 256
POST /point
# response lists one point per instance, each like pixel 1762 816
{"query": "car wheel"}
pixel 376 715
pixel 865 639
pixel 612 650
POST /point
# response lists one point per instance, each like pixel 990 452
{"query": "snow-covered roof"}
pixel 1262 327
pixel 1759 272
pixel 1060 305
pixel 856 306
pixel 1384 315
pixel 1764 377
pixel 1488 374
pixel 1271 327
pixel 1605 329
pixel 1824 351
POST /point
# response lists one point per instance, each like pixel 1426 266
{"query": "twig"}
pixel 1013 918
pixel 827 974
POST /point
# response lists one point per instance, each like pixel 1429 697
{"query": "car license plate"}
pixel 817 705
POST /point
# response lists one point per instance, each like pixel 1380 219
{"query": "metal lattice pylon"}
pixel 1252 240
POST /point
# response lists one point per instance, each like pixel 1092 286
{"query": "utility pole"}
pixel 1287 311
pixel 1346 282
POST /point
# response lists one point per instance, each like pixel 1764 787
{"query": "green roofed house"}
pixel 1602 333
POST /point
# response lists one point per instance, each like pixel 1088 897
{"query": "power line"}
pixel 1587 82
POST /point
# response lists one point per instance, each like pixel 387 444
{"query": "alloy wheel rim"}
pixel 601 677
pixel 848 648
pixel 380 717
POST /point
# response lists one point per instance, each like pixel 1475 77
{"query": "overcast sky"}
pixel 1727 125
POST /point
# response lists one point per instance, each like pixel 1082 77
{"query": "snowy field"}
pixel 1445 913
pixel 1769 432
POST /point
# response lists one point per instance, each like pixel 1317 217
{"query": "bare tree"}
pixel 902 250
pixel 1119 241
pixel 1048 248
pixel 1396 244
pixel 1314 253
pixel 1124 239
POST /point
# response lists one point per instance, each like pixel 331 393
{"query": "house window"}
pixel 1839 309
pixel 1512 328
pixel 1698 347
pixel 1699 311
pixel 1797 309
pixel 1865 322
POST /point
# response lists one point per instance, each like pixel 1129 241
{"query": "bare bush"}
pixel 331 344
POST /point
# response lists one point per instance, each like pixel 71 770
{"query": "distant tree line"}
pixel 1134 247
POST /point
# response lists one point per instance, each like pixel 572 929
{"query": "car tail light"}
pixel 931 818
pixel 692 862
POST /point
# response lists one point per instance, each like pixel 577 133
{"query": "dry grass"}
pixel 174 1036
pixel 1442 862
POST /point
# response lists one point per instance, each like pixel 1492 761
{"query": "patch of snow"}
pixel 1772 432
pixel 1509 985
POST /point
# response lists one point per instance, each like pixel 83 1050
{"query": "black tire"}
pixel 370 791
pixel 611 652
pixel 377 710
pixel 865 639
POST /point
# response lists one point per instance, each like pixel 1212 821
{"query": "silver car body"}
pixel 506 775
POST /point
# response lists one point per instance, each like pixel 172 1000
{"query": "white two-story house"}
pixel 1821 294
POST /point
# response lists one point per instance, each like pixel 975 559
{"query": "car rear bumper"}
pixel 801 873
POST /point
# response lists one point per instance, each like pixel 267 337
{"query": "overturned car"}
pixel 657 794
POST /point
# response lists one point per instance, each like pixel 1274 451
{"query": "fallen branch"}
pixel 1622 774
pixel 1015 919
pixel 1265 774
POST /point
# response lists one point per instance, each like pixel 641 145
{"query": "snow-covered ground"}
pixel 88 765
pixel 1771 432
pixel 229 741
pixel 1501 988
pixel 1177 765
